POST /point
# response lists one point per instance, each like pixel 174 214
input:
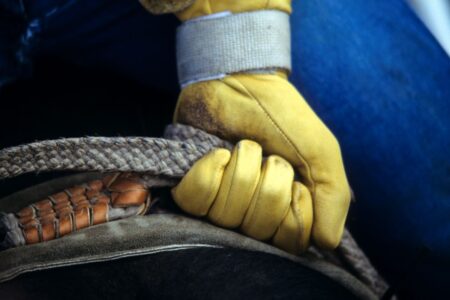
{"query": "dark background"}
pixel 63 100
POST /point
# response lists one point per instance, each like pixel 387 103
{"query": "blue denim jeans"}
pixel 370 70
pixel 381 82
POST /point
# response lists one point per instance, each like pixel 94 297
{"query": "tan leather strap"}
pixel 114 197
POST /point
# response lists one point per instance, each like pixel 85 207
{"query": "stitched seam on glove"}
pixel 256 202
pixel 308 167
pixel 221 171
pixel 219 219
pixel 301 222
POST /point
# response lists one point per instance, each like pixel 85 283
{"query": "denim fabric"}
pixel 12 20
pixel 371 71
pixel 382 84
pixel 113 35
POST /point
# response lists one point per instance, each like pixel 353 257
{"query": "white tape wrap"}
pixel 212 47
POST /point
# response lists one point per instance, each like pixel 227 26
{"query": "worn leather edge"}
pixel 19 270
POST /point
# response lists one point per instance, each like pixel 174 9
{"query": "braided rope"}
pixel 156 156
pixel 171 157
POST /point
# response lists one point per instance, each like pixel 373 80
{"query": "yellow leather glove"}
pixel 266 108
pixel 234 191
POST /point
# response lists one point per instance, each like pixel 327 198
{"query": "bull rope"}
pixel 170 157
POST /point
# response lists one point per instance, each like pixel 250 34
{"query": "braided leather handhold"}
pixel 99 201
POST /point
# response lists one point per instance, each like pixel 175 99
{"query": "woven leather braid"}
pixel 151 157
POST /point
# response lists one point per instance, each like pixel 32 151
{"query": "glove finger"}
pixel 238 185
pixel 271 199
pixel 198 188
pixel 331 197
pixel 330 213
pixel 294 233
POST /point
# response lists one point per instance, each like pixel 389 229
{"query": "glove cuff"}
pixel 214 46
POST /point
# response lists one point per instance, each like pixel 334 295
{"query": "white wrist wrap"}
pixel 213 46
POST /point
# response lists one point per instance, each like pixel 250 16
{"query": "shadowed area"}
pixel 188 274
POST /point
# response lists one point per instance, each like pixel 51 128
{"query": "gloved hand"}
pixel 267 109
pixel 233 191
